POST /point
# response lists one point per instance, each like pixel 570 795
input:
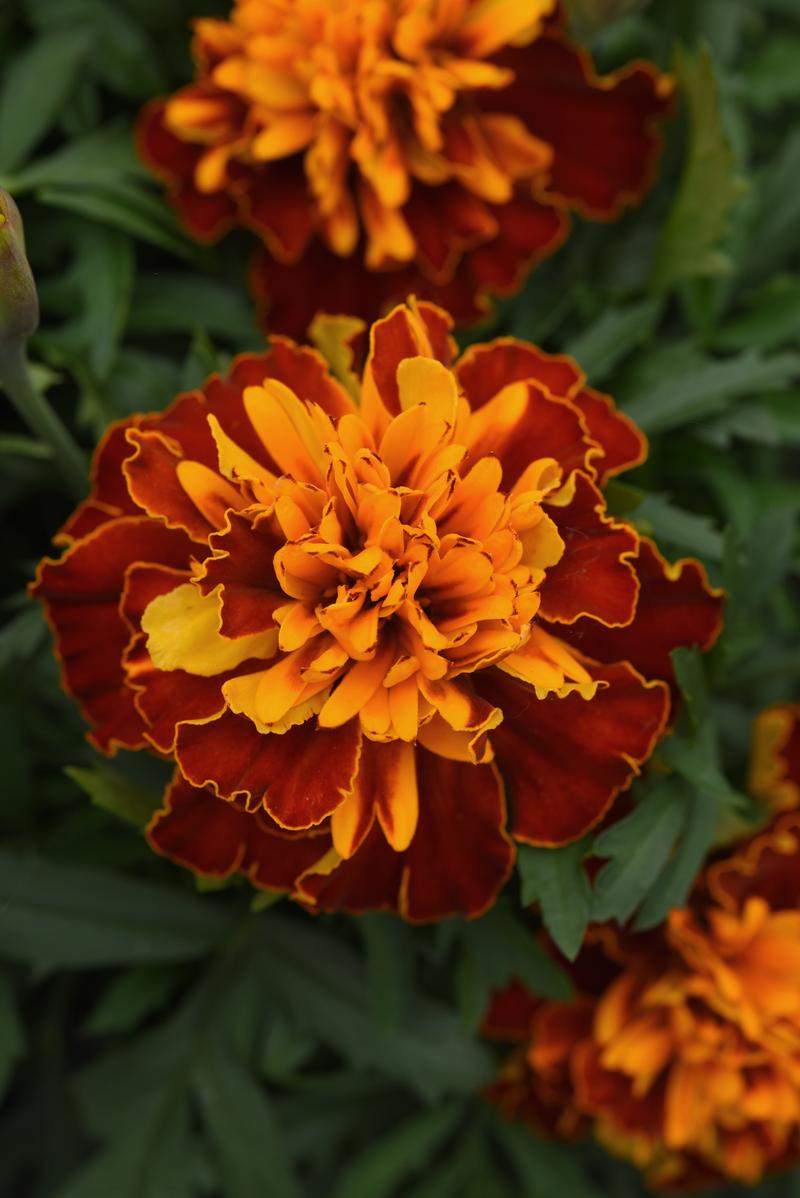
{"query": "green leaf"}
pixel 247 1141
pixel 672 886
pixel 695 389
pixel 100 157
pixel 612 337
pixel 378 1171
pixel 709 188
pixel 124 205
pixel 106 271
pixel 22 636
pixel 112 792
pixel 638 846
pixel 37 81
pixel 178 302
pixel 131 997
pixel 544 1169
pixel 772 77
pixel 556 879
pixel 772 321
pixel 690 675
pixel 495 949
pixel 322 987
pixel 56 915
pixel 389 944
pixel 658 517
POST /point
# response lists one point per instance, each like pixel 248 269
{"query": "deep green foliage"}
pixel 159 1041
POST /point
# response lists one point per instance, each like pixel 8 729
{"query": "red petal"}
pixel 206 217
pixel 676 606
pixel 603 130
pixel 622 443
pixel 81 593
pixel 528 231
pixel 460 856
pixel 276 205
pixel 308 375
pixel 152 477
pixel 299 776
pixel 289 296
pixel 768 864
pixel 565 760
pixel 244 570
pixel 109 495
pixel 547 428
pixel 510 1013
pixel 595 576
pixel 215 838
pixel 485 369
pixel 367 881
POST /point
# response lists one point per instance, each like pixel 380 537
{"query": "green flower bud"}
pixel 19 304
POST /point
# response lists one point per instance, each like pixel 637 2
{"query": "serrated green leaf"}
pixel 612 337
pixel 112 792
pixel 556 879
pixel 35 86
pixel 699 388
pixel 691 678
pixel 709 188
pixel 56 915
pixel 773 319
pixel 322 985
pixel 639 846
pixel 673 885
pixel 244 1133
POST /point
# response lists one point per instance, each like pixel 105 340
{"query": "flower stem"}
pixel 40 418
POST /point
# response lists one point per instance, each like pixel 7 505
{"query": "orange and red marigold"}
pixel 379 147
pixel 681 1050
pixel 359 614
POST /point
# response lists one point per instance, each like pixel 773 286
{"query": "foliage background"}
pixel 157 1041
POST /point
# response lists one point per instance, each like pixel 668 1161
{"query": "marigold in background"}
pixel 360 608
pixel 379 147
pixel 681 1050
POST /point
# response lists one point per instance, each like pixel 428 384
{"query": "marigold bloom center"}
pixel 399 564
pixel 371 88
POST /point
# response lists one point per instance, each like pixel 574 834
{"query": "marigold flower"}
pixel 682 1052
pixel 775 757
pixel 352 609
pixel 379 147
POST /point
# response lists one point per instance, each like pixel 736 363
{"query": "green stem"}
pixel 40 418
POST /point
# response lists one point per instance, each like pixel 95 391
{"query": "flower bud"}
pixel 19 304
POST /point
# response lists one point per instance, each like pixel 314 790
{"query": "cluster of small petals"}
pixel 687 1059
pixel 435 143
pixel 354 608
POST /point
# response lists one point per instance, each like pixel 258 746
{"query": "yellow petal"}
pixel 424 380
pixel 398 808
pixel 287 431
pixel 210 494
pixel 182 630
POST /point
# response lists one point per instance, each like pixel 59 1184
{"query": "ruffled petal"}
pixel 484 370
pixel 82 592
pixel 242 567
pixel 774 774
pixel 217 839
pixel 299 777
pixel 623 445
pixel 603 129
pixel 461 854
pixel 109 496
pixel 565 760
pixel 277 206
pixel 767 865
pixel 595 576
pixel 676 606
